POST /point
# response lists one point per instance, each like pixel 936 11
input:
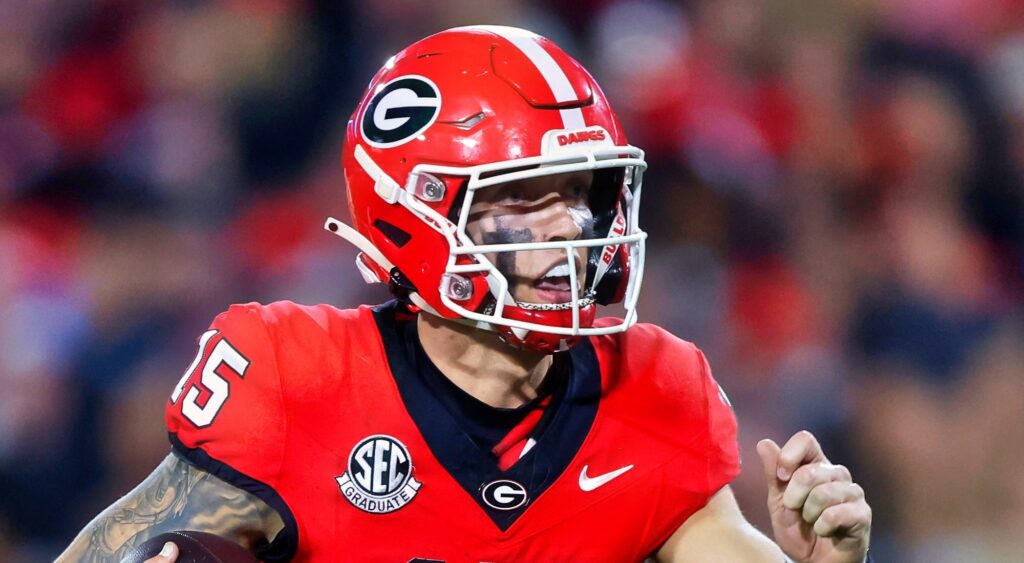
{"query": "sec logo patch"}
pixel 379 477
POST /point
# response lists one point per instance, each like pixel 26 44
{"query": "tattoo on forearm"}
pixel 176 496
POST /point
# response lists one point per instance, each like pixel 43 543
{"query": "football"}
pixel 193 547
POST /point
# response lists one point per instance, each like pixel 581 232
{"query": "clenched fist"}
pixel 818 513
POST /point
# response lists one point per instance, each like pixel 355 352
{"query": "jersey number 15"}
pixel 208 388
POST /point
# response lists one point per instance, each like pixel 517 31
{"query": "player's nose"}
pixel 559 222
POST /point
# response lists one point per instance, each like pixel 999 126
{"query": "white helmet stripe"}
pixel 553 74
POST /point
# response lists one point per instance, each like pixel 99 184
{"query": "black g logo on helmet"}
pixel 400 110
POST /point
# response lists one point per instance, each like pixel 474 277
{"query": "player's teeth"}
pixel 559 271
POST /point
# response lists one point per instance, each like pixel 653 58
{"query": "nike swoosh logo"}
pixel 590 483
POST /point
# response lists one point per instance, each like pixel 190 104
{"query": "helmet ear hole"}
pixel 397 236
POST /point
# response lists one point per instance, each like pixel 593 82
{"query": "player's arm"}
pixel 176 496
pixel 719 532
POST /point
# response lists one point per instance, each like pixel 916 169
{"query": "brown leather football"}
pixel 193 547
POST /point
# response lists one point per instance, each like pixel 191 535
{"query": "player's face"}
pixel 548 208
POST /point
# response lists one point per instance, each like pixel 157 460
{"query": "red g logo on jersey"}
pixel 379 477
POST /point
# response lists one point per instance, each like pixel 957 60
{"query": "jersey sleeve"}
pixel 681 423
pixel 708 451
pixel 723 456
pixel 225 415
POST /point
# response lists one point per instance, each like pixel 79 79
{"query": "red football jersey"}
pixel 314 410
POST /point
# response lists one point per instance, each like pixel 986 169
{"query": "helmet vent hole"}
pixel 397 236
pixel 469 122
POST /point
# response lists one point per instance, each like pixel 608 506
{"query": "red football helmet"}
pixel 471 108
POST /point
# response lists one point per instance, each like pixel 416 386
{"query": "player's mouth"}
pixel 554 286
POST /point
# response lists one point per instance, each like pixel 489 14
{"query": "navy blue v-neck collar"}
pixel 486 425
pixel 559 435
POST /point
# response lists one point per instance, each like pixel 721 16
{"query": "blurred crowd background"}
pixel 834 204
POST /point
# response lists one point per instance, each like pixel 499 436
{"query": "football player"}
pixel 487 413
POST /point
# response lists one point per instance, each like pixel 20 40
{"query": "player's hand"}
pixel 169 554
pixel 818 513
